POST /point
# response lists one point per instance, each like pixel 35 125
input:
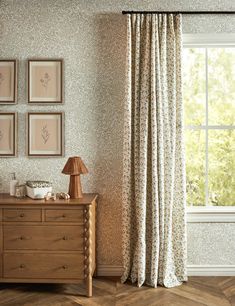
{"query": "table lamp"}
pixel 74 167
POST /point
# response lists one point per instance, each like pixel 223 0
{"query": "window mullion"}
pixel 206 130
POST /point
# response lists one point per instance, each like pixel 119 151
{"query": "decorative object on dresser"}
pixel 74 167
pixel 50 196
pixel 45 134
pixel 8 134
pixel 38 189
pixel 20 191
pixel 45 81
pixel 13 183
pixel 48 241
pixel 63 195
pixel 8 81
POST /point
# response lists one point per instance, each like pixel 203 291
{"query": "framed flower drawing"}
pixel 45 132
pixel 45 81
pixel 8 134
pixel 8 81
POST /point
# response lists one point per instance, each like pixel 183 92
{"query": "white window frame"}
pixel 198 214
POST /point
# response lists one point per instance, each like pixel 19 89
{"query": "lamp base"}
pixel 75 188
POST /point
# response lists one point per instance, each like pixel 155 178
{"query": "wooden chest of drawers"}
pixel 48 241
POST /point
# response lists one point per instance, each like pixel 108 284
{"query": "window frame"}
pixel 209 213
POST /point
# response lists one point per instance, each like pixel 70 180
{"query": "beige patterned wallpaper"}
pixel 91 37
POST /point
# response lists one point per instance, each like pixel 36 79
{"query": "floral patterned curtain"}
pixel 154 227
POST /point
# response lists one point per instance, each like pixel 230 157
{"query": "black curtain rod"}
pixel 179 12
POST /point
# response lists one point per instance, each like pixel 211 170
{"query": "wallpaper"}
pixel 91 38
pixel 211 244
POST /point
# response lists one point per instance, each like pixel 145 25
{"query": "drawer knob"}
pixel 22 215
pixel 64 216
pixel 22 266
pixel 65 238
pixel 65 267
pixel 24 238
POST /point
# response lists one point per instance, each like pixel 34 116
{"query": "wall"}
pixel 91 37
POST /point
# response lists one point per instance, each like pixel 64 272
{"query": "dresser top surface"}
pixel 87 199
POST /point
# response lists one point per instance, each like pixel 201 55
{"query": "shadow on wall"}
pixel 110 88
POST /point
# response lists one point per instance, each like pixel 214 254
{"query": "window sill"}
pixel 219 214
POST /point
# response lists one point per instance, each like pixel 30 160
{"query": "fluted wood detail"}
pixel 75 187
pixel 75 166
pixel 88 248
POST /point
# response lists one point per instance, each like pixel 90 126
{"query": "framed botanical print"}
pixel 8 81
pixel 45 81
pixel 8 134
pixel 45 132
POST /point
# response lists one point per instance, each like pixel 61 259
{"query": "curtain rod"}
pixel 178 12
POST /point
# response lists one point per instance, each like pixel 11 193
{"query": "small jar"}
pixel 20 191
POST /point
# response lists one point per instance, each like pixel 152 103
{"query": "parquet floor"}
pixel 198 291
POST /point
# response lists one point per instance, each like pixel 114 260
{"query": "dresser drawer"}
pixel 46 266
pixel 43 237
pixel 21 214
pixel 64 215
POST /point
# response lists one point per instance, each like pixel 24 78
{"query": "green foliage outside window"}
pixel 209 75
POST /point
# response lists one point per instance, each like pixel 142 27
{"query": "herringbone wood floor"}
pixel 198 291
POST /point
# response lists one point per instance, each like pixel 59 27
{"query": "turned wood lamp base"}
pixel 75 188
pixel 74 167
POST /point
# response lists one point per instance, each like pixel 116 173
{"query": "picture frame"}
pixel 8 134
pixel 8 81
pixel 45 134
pixel 45 81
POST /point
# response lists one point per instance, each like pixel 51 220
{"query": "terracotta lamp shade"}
pixel 74 167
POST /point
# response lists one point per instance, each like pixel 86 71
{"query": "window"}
pixel 209 103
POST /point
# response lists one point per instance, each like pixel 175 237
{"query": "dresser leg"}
pixel 95 273
pixel 89 287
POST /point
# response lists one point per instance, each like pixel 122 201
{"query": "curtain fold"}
pixel 154 223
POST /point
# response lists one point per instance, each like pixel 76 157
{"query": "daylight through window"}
pixel 209 114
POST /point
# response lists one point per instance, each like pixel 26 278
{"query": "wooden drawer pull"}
pixel 65 238
pixel 24 238
pixel 22 266
pixel 60 217
pixel 65 267
pixel 14 217
pixel 22 215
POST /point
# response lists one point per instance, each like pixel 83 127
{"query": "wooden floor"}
pixel 198 291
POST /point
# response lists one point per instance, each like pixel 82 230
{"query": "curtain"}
pixel 154 221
